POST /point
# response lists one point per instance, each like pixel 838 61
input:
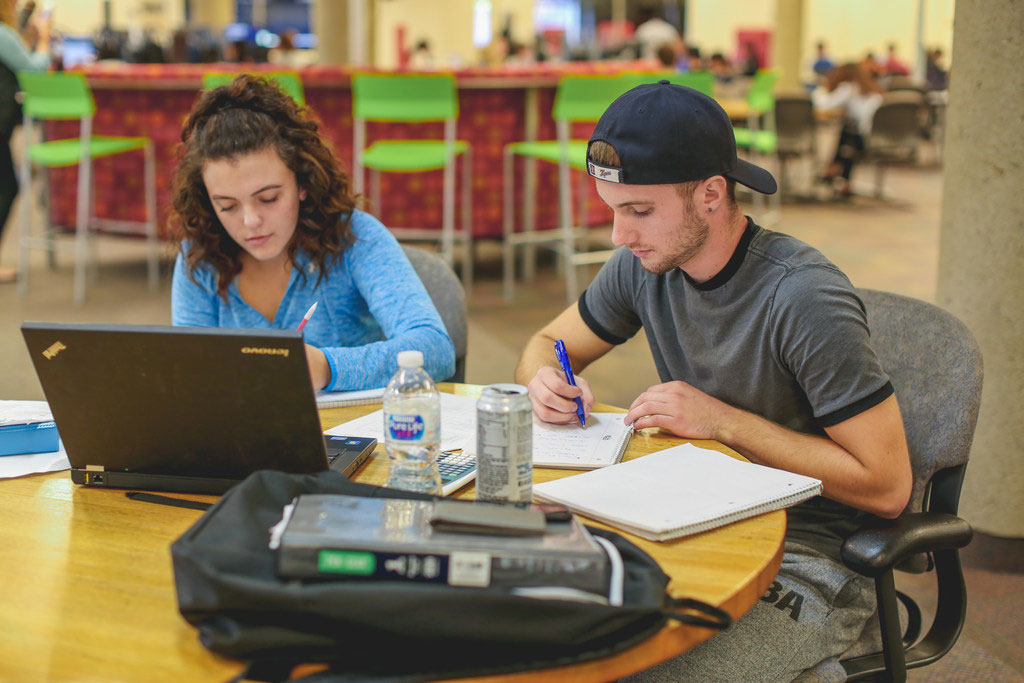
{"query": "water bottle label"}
pixel 406 427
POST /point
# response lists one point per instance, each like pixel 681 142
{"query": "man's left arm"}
pixel 863 462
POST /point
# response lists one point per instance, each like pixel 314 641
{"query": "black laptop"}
pixel 183 409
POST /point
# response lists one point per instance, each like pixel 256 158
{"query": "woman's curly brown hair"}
pixel 249 115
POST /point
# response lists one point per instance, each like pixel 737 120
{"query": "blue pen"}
pixel 563 360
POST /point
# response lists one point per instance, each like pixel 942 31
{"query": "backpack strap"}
pixel 709 616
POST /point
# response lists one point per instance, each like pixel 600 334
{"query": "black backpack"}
pixel 227 588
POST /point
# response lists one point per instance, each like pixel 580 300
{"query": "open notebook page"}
pixel 602 442
pixel 458 424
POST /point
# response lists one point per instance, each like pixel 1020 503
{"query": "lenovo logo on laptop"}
pixel 613 175
pixel 265 351
pixel 51 352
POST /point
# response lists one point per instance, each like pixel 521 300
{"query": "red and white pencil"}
pixel 305 318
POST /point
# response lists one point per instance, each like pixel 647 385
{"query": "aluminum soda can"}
pixel 504 444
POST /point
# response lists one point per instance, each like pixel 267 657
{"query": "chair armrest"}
pixel 874 550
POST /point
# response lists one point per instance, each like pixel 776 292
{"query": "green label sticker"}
pixel 346 562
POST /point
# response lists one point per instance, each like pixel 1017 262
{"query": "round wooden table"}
pixel 89 591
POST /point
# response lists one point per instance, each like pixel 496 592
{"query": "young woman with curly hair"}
pixel 268 226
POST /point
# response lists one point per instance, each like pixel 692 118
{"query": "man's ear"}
pixel 712 194
pixel 302 194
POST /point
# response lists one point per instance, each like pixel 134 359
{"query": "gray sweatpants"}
pixel 813 611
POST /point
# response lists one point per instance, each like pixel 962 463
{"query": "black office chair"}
pixel 936 368
pixel 449 298
pixel 796 131
pixel 895 133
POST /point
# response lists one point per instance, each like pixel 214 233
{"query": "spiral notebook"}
pixel 339 399
pixel 677 492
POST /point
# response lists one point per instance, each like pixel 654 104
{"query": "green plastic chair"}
pixel 578 99
pixel 415 98
pixel 66 96
pixel 287 80
pixel 703 81
pixel 760 137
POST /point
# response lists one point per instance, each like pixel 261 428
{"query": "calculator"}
pixel 457 468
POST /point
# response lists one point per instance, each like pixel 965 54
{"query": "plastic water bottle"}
pixel 412 426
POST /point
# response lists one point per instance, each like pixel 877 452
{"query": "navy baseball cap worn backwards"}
pixel 666 134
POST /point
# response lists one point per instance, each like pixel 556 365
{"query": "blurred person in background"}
pixel 894 66
pixel 667 57
pixel 822 63
pixel 24 46
pixel 721 68
pixel 421 58
pixel 694 62
pixel 652 32
pixel 871 66
pixel 934 75
pixel 285 53
pixel 852 88
pixel 751 62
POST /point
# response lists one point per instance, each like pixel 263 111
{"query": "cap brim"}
pixel 754 177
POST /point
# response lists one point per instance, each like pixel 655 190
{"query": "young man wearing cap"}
pixel 761 344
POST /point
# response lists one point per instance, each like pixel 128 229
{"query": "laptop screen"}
pixel 180 401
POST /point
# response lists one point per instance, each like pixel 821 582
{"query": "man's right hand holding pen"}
pixel 554 397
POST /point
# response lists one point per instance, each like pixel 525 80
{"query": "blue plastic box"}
pixel 38 437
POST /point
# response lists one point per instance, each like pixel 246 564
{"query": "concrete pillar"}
pixel 330 23
pixel 214 14
pixel 981 252
pixel 787 44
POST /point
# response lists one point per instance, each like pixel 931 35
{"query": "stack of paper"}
pixel 28 439
pixel 601 443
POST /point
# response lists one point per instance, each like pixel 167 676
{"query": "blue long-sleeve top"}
pixel 15 56
pixel 371 306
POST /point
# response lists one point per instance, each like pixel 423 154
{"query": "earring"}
pixel 709 209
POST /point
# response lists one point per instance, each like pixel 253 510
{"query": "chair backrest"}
pixel 896 126
pixel 585 98
pixel 794 123
pixel 286 80
pixel 449 298
pixel 404 97
pixel 56 95
pixel 935 366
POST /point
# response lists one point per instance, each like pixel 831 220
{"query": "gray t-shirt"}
pixel 779 332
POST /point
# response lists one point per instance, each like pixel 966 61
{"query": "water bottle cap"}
pixel 410 359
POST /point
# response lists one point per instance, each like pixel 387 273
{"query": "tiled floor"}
pixel 891 244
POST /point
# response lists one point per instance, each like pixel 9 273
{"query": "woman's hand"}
pixel 41 24
pixel 319 369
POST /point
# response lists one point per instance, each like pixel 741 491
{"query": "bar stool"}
pixel 578 99
pixel 288 81
pixel 415 98
pixel 66 96
pixel 702 81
